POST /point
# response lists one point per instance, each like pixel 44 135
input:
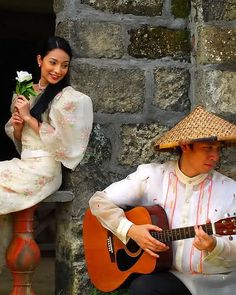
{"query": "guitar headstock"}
pixel 226 226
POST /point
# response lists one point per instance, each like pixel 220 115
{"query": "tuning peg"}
pixel 227 215
pixel 231 238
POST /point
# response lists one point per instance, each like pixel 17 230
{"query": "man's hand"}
pixel 141 235
pixel 203 241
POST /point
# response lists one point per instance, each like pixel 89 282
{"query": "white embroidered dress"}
pixel 63 138
pixel 187 201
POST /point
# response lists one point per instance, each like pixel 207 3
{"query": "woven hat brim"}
pixel 199 125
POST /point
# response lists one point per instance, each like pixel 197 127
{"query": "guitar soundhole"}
pixel 132 246
pixel 124 261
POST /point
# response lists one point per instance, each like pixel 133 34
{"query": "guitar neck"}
pixel 182 233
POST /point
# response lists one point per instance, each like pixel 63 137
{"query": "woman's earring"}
pixel 39 65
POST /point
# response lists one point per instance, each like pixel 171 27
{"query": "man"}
pixel 192 193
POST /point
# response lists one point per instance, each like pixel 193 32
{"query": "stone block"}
pixel 216 45
pixel 66 29
pixel 99 147
pixel 112 89
pixel 227 164
pixel 158 42
pixel 220 10
pixel 180 8
pixel 58 5
pixel 171 89
pixel 137 144
pixel 99 40
pixel 135 7
pixel 216 90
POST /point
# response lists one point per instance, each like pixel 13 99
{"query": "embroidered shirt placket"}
pixel 184 223
pixel 185 219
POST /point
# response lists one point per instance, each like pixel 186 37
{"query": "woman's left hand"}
pixel 22 105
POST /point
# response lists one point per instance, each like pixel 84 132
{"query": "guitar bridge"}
pixel 110 246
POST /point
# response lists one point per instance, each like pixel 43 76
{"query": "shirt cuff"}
pixel 217 250
pixel 122 230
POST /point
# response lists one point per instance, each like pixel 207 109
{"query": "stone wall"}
pixel 145 64
pixel 214 63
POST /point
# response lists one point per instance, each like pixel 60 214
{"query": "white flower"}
pixel 23 76
pixel 24 85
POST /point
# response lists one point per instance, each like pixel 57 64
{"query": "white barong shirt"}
pixel 187 202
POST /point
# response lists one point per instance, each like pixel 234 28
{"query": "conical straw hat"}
pixel 199 125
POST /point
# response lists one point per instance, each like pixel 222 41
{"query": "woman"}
pixel 48 130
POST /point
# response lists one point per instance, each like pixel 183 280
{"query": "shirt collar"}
pixel 195 180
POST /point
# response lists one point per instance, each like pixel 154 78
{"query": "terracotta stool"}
pixel 23 253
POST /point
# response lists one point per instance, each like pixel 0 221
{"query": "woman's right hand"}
pixel 17 123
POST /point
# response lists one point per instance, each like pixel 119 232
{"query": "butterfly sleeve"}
pixel 66 132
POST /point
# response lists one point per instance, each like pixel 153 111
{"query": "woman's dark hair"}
pixel 51 90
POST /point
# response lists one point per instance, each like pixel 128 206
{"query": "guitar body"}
pixel 109 261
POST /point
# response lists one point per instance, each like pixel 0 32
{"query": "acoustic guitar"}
pixel 110 262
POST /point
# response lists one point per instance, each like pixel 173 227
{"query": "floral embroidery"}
pixel 28 193
pixel 47 129
pixel 60 154
pixel 41 181
pixel 6 174
pixel 69 106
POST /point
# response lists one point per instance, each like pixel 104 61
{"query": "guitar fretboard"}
pixel 179 233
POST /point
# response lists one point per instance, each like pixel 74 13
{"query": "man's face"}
pixel 201 157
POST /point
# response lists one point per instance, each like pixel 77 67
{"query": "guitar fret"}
pixel 182 233
pixel 169 235
pixel 175 234
pixel 189 231
pixel 166 235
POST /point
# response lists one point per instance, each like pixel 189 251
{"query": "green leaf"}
pixel 17 88
pixel 32 92
pixel 29 85
pixel 23 89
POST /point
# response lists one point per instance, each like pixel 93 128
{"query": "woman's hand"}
pixel 22 106
pixel 141 235
pixel 18 124
pixel 17 121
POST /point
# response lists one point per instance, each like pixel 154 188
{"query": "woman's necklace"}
pixel 40 87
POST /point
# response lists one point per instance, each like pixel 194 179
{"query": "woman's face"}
pixel 54 66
